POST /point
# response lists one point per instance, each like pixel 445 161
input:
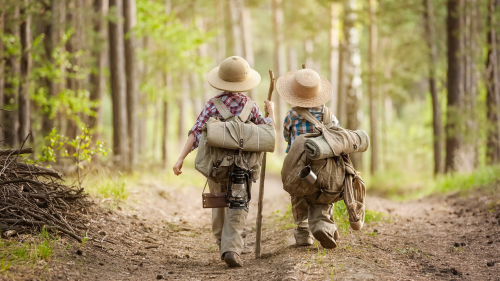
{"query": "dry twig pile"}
pixel 32 197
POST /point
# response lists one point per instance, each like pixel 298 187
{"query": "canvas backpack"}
pixel 336 177
pixel 216 163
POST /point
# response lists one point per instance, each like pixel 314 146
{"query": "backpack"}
pixel 216 163
pixel 336 177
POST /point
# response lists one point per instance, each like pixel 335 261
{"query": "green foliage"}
pixel 30 253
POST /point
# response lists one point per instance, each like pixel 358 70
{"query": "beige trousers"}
pixel 313 219
pixel 227 224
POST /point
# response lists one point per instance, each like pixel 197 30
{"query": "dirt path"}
pixel 440 238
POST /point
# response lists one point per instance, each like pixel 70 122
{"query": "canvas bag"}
pixel 336 177
pixel 216 163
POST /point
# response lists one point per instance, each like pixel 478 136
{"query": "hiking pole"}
pixel 262 179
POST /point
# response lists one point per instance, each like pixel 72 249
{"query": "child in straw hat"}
pixel 307 89
pixel 232 77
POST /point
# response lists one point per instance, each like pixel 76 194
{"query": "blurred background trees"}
pixel 134 72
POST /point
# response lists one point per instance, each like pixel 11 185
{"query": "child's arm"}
pixel 187 148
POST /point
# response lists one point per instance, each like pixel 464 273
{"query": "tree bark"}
pixel 11 123
pixel 454 75
pixel 247 39
pixel 54 33
pixel 352 72
pixel 24 86
pixel 436 107
pixel 220 27
pixel 342 84
pixel 97 77
pixel 118 84
pixel 129 12
pixel 236 27
pixel 279 67
pixel 165 143
pixel 334 52
pixel 181 103
pixel 493 87
pixel 2 74
pixel 373 99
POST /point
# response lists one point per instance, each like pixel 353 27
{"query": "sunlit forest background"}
pixel 420 76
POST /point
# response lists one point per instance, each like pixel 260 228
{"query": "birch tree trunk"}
pixel 373 99
pixel 24 86
pixel 279 68
pixel 11 122
pixel 118 84
pixel 334 52
pixel 454 75
pixel 352 72
pixel 436 107
pixel 97 78
pixel 165 143
pixel 493 86
pixel 129 12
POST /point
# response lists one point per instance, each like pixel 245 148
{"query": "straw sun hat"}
pixel 304 88
pixel 234 75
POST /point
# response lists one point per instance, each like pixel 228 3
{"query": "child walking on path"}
pixel 305 88
pixel 232 77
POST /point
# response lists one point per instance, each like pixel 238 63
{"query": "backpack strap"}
pixel 221 107
pixel 247 110
pixel 308 116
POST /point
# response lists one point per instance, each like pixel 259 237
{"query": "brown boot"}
pixel 232 259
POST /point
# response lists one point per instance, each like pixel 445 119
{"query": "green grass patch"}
pixel 115 188
pixel 398 186
pixel 29 253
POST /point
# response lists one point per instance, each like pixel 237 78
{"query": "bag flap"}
pixel 215 195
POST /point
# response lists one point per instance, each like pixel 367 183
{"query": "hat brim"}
pixel 286 93
pixel 244 86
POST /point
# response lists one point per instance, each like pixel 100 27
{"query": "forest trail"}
pixel 164 233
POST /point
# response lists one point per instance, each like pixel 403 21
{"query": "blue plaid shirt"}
pixel 294 125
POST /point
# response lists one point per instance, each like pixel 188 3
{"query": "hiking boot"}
pixel 303 241
pixel 326 240
pixel 232 259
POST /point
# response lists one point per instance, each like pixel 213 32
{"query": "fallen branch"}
pixel 28 150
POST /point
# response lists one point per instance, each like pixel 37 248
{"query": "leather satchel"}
pixel 214 200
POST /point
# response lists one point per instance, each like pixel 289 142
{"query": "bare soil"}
pixel 163 233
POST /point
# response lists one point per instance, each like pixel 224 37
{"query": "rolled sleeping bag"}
pixel 256 138
pixel 344 142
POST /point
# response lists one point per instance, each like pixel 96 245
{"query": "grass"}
pixel 398 186
pixel 29 253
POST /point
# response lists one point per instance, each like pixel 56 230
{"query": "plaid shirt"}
pixel 235 102
pixel 294 125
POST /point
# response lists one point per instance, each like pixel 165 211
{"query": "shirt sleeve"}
pixel 287 123
pixel 257 116
pixel 335 121
pixel 197 129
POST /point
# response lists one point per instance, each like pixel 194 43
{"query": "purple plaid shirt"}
pixel 235 102
pixel 294 125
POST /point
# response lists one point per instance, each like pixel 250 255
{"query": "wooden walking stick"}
pixel 262 179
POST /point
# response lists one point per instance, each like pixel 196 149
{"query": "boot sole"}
pixel 231 261
pixel 326 240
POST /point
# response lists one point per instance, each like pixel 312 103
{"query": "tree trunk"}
pixel 309 51
pixel 454 75
pixel 129 12
pixel 220 27
pixel 73 45
pixel 352 71
pixel 342 84
pixel 11 123
pixel 236 27
pixel 97 77
pixel 2 74
pixel 118 84
pixel 373 108
pixel 165 154
pixel 493 87
pixel 24 86
pixel 279 68
pixel 247 40
pixel 54 33
pixel 436 107
pixel 196 102
pixel 334 52
pixel 181 103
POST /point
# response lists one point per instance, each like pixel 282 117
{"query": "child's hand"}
pixel 178 167
pixel 269 107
